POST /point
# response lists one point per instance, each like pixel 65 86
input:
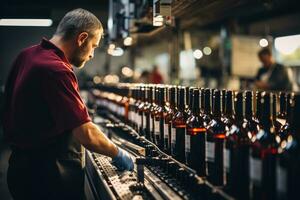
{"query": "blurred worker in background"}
pixel 271 76
pixel 145 77
pixel 155 76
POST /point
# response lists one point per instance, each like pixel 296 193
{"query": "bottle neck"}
pixel 143 95
pixel 202 104
pixel 172 97
pixel 138 94
pixel 238 102
pixel 207 101
pixel 266 111
pixel 228 103
pixel 282 104
pixel 289 102
pixel 181 99
pixel 223 100
pixel 274 106
pixel 248 105
pixel 161 96
pixel 217 104
pixel 258 106
pixel 191 91
pixel 150 95
pixel 187 96
pixel 195 102
pixel 156 95
pixel 295 114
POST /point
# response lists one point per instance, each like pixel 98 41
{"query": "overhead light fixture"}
pixel 26 22
pixel 128 41
pixel 197 54
pixel 112 46
pixel 158 20
pixel 263 42
pixel 126 71
pixel 117 51
pixel 207 51
pixel 288 44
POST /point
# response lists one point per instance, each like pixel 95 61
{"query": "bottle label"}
pixel 226 159
pixel 281 182
pixel 173 137
pixel 144 121
pixel 156 127
pixel 187 142
pixel 151 124
pixel 166 131
pixel 210 151
pixel 255 170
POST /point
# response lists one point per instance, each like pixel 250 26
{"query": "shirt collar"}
pixel 49 45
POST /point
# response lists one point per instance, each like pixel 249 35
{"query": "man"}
pixel 271 76
pixel 46 121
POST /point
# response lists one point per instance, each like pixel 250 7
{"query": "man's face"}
pixel 266 60
pixel 85 51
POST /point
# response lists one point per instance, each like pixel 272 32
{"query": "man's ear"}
pixel 81 38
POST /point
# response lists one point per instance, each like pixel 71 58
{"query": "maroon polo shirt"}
pixel 42 98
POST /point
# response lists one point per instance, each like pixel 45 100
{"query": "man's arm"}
pixel 92 138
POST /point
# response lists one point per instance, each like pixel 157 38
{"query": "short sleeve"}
pixel 60 91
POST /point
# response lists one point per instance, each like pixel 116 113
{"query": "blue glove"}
pixel 123 161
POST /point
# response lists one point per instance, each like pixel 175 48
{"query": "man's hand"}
pixel 92 138
pixel 123 161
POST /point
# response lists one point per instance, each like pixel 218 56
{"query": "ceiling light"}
pixel 263 42
pixel 128 41
pixel 198 54
pixel 207 51
pixel 25 22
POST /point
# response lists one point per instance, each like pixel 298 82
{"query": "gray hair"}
pixel 78 21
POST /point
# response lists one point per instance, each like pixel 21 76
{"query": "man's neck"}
pixel 62 45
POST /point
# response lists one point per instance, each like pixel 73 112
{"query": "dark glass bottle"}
pixel 215 143
pixel 148 106
pixel 146 113
pixel 223 101
pixel 258 108
pixel 172 112
pixel 286 128
pixel 179 123
pixel 124 104
pixel 138 101
pixel 276 123
pixel 228 117
pixel 237 153
pixel 263 154
pixel 189 101
pixel 160 113
pixel 152 114
pixel 168 118
pixel 195 142
pixel 282 115
pixel 250 124
pixel 140 111
pixel 207 107
pixel 288 162
pixel 134 108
